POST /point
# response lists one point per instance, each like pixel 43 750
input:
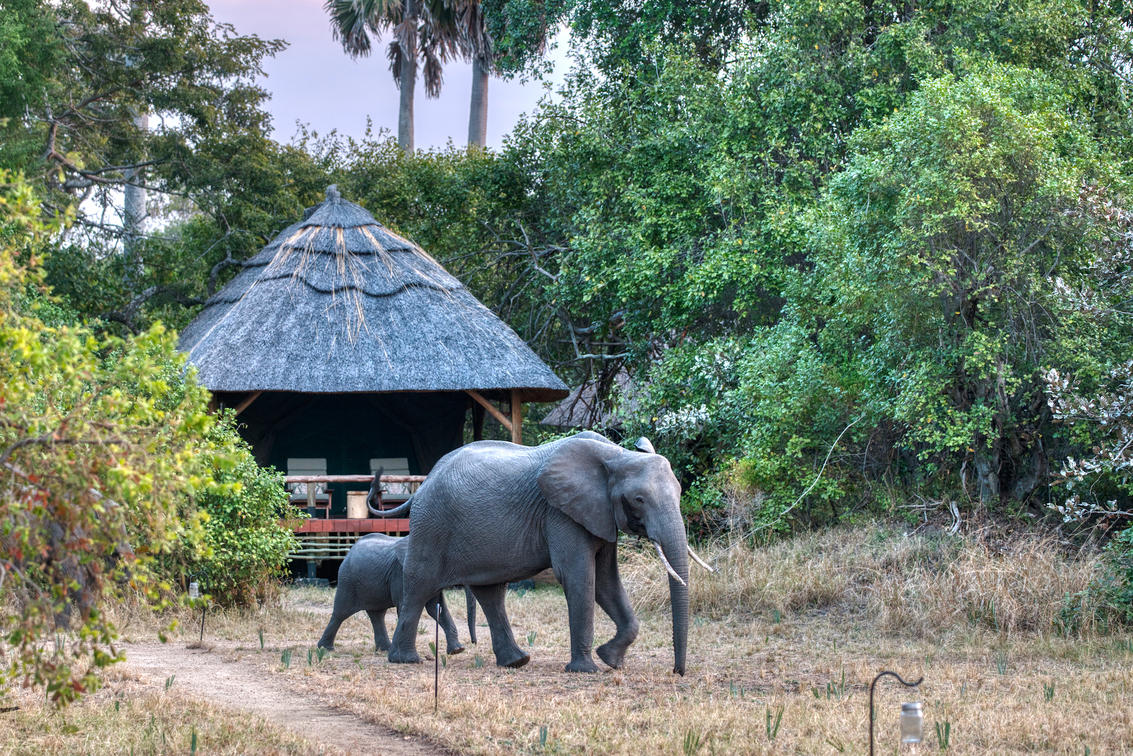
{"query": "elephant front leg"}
pixel 611 596
pixel 575 570
pixel 507 651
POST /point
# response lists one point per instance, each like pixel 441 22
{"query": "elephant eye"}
pixel 640 500
pixel 633 520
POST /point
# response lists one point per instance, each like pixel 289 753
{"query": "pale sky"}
pixel 315 82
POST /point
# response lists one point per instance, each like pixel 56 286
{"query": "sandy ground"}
pixel 221 675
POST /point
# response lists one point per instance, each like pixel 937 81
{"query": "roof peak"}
pixel 332 193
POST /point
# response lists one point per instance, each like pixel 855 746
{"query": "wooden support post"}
pixel 516 418
pixel 311 513
pixel 247 401
pixel 492 410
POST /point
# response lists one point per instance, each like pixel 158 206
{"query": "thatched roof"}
pixel 339 303
pixel 583 408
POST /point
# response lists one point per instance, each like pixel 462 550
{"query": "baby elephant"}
pixel 370 580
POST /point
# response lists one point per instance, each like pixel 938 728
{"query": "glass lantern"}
pixel 912 723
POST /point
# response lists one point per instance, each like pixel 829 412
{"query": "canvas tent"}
pixel 342 340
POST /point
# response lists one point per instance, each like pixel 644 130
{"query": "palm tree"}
pixel 424 29
pixel 475 43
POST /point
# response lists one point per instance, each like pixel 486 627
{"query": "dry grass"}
pixel 800 628
pixel 126 716
pixel 928 585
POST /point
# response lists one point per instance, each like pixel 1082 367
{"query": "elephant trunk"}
pixel 674 549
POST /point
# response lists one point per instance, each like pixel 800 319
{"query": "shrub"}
pixel 106 447
pixel 246 527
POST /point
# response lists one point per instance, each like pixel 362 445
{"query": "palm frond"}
pixel 353 21
pixel 393 54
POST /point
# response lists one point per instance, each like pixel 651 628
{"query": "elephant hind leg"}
pixel 378 621
pixel 444 619
pixel 336 619
pixel 508 653
pixel 470 605
pixel 403 648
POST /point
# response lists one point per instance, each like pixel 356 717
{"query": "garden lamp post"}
pixel 912 720
pixel 194 594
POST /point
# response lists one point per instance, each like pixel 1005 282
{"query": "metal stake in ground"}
pixel 916 713
pixel 437 658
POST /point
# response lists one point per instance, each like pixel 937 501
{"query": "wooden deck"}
pixel 331 538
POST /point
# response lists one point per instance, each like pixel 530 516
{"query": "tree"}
pixel 934 254
pixel 421 28
pixel 477 46
pixel 623 35
pixel 501 37
pixel 115 481
pixel 70 120
pixel 97 69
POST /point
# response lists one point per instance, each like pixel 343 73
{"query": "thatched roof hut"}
pixel 375 310
pixel 340 320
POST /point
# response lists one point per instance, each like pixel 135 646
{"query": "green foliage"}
pixel 933 254
pixel 105 445
pixel 100 447
pixel 1119 591
pixel 620 35
pixel 245 518
pixel 519 30
pixel 903 273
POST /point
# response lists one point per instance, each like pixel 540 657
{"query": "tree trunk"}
pixel 408 79
pixel 478 108
pixel 134 211
pixel 987 470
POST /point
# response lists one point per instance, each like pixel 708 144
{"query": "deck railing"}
pixel 331 538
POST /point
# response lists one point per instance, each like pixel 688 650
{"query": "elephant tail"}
pixel 400 511
pixel 374 499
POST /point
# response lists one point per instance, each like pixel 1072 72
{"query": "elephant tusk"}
pixel 668 566
pixel 698 560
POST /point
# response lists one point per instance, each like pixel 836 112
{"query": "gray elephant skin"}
pixel 493 512
pixel 370 580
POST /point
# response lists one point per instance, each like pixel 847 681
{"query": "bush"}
pixel 246 527
pixel 1119 559
pixel 106 449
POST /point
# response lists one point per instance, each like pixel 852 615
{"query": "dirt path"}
pixel 217 675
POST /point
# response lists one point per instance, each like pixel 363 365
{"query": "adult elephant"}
pixel 493 512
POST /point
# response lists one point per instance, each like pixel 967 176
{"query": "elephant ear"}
pixel 575 481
